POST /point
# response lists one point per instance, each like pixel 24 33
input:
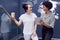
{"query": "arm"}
pixel 35 28
pixel 35 25
pixel 18 23
pixel 46 25
pixel 52 21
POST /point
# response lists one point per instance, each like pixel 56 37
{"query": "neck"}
pixel 47 12
pixel 28 13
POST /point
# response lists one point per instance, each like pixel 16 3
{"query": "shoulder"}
pixel 21 16
pixel 34 14
pixel 52 15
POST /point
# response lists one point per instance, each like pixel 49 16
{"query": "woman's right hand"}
pixel 41 22
pixel 12 15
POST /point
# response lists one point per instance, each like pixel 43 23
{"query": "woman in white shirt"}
pixel 28 19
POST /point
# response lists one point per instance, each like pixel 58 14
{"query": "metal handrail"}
pixel 4 10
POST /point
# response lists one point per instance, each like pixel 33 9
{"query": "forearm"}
pixel 46 25
pixel 35 27
pixel 17 23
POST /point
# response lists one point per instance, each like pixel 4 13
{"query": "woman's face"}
pixel 29 8
pixel 45 8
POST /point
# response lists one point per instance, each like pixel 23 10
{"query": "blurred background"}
pixel 15 32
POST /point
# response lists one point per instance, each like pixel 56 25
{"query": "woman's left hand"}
pixel 34 33
pixel 41 22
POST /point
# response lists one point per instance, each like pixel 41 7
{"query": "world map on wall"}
pixel 40 10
